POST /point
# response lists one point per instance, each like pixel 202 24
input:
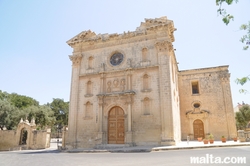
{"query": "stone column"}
pixel 164 48
pixel 129 116
pixel 100 121
pixel 101 84
pixel 73 107
pixel 129 86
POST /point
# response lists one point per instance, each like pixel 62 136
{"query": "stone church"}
pixel 127 89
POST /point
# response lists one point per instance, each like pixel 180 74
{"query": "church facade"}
pixel 127 89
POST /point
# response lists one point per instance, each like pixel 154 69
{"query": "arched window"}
pixel 89 110
pixel 90 62
pixel 146 106
pixel 89 88
pixel 145 82
pixel 144 54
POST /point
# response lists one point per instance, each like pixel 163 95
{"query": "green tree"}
pixel 61 111
pixel 13 107
pixel 6 114
pixel 43 115
pixel 21 101
pixel 242 117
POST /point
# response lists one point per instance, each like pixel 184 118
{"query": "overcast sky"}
pixel 33 33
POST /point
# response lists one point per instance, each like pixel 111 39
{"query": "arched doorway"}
pixel 198 129
pixel 23 137
pixel 116 126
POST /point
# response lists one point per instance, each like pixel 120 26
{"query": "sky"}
pixel 34 55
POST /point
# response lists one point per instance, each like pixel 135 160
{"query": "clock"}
pixel 116 59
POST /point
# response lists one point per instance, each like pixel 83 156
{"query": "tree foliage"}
pixel 242 81
pixel 13 107
pixel 243 117
pixel 245 39
pixel 226 18
pixel 61 111
pixel 7 114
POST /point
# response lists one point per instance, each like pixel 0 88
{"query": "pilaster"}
pixel 73 108
pixel 129 133
pixel 228 105
pixel 164 48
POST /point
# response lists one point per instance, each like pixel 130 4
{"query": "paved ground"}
pixel 181 157
pixel 181 145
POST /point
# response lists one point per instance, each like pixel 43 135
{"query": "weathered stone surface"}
pixel 137 72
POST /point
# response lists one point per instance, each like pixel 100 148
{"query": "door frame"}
pixel 203 126
pixel 108 123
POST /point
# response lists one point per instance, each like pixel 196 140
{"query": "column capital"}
pixel 225 78
pixel 164 46
pixel 76 59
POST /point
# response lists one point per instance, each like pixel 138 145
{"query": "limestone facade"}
pixel 127 89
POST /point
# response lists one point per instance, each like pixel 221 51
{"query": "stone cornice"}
pixel 204 70
pixel 122 70
pixel 126 93
pixel 150 26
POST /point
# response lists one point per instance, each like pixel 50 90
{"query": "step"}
pixel 111 146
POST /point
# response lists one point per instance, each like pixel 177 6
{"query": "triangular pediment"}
pixel 85 35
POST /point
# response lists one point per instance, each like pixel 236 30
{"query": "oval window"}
pixel 197 105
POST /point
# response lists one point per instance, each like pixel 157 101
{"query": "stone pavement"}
pixel 181 145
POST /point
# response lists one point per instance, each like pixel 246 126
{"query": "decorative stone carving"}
pixel 109 86
pixel 129 63
pixel 33 123
pixel 164 46
pixel 122 86
pixel 116 83
pixel 225 78
pixel 76 59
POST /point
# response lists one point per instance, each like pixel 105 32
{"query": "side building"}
pixel 206 103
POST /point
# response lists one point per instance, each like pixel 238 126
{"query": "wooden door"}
pixel 116 126
pixel 198 129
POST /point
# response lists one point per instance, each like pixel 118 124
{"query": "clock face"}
pixel 116 59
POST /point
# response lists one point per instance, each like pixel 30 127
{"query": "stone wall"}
pixel 214 98
pixel 7 139
pixel 36 139
pixel 141 85
pixel 155 96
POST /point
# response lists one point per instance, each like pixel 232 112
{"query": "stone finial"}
pixel 26 120
pixel 33 123
pixel 21 120
pixel 4 128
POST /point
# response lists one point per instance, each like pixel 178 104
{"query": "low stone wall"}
pixel 40 139
pixel 7 139
pixel 37 139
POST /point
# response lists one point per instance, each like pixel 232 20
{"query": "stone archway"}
pixel 23 137
pixel 116 126
pixel 198 129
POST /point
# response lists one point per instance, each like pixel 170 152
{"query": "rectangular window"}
pixel 195 87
